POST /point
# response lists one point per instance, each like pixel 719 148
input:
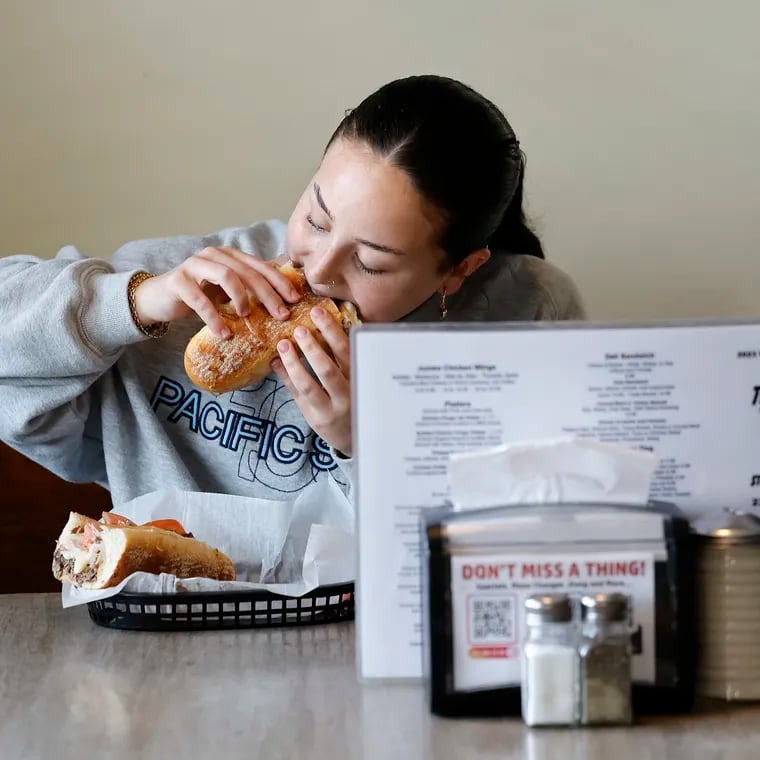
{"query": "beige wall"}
pixel 641 121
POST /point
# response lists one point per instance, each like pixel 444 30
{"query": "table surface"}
pixel 71 689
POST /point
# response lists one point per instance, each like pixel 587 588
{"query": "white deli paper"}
pixel 287 547
pixel 550 471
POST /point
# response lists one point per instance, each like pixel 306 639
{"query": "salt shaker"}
pixel 549 662
pixel 605 660
pixel 728 568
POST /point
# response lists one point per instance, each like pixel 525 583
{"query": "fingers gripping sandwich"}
pixel 95 555
pixel 223 365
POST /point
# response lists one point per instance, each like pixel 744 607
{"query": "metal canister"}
pixel 728 587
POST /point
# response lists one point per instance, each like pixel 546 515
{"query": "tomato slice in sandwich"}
pixel 173 525
pixel 111 518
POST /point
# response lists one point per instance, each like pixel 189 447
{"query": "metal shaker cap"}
pixel 729 526
pixel 548 608
pixel 612 607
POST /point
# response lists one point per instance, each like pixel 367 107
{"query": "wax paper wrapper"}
pixel 287 547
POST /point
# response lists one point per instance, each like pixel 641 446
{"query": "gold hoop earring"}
pixel 442 308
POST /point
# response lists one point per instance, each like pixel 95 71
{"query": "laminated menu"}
pixel 689 393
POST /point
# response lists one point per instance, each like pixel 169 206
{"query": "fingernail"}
pixel 294 294
pixel 276 365
pixel 225 333
pixel 283 346
pixel 283 312
pixel 318 312
pixel 244 311
pixel 301 332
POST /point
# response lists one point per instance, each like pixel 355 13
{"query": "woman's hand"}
pixel 326 401
pixel 211 277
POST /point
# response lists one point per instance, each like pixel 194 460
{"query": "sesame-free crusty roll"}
pixel 93 555
pixel 222 365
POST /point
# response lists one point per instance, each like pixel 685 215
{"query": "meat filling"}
pixel 63 567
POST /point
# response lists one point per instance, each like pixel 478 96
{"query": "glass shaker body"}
pixel 550 663
pixel 605 660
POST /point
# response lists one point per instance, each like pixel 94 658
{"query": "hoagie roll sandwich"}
pixel 96 555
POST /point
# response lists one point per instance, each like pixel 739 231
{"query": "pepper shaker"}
pixel 605 660
pixel 549 662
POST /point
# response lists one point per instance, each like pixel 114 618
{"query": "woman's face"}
pixel 364 234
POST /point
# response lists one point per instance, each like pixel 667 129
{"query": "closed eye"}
pixel 314 224
pixel 363 268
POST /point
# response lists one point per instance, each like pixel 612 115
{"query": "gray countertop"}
pixel 70 689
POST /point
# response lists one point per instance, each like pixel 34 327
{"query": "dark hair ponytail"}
pixel 461 154
pixel 514 235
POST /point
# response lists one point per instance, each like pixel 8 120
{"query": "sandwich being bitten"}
pixel 96 555
pixel 222 365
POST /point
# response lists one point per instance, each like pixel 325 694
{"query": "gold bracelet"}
pixel 152 331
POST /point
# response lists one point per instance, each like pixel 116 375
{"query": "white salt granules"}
pixel 549 678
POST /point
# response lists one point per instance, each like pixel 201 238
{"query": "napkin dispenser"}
pixel 480 564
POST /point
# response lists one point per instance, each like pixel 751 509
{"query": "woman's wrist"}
pixel 147 326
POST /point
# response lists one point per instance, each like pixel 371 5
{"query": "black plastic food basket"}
pixel 210 610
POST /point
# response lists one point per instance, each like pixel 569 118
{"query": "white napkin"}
pixel 550 471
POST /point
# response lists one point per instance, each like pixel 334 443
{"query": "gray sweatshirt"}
pixel 84 393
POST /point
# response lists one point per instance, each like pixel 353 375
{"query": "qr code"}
pixel 491 619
